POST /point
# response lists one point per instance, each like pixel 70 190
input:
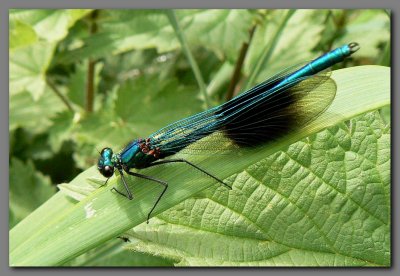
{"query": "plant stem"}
pixel 60 95
pixel 266 55
pixel 185 47
pixel 90 69
pixel 239 64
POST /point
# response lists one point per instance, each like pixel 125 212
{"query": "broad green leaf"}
pixel 119 33
pixel 21 34
pixel 323 201
pixel 104 215
pixel 94 46
pixel 222 31
pixel 51 25
pixel 28 190
pixel 146 95
pixel 28 66
pixel 60 129
pixel 35 117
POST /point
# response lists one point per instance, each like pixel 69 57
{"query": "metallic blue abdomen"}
pixel 320 64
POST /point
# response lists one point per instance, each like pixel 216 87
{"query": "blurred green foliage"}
pixel 142 78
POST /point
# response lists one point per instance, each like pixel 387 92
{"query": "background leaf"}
pixel 27 69
pixel 30 187
pixel 142 29
pixel 35 117
pixel 51 25
pixel 21 34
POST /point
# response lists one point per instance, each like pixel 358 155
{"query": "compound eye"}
pixel 103 150
pixel 108 171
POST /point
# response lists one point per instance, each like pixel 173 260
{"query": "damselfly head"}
pixel 105 164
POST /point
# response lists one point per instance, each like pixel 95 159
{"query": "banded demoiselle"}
pixel 273 108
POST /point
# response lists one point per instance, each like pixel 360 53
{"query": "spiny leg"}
pixel 161 182
pixel 105 183
pixel 191 164
pixel 129 196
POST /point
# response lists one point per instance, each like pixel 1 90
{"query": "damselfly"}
pixel 273 108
